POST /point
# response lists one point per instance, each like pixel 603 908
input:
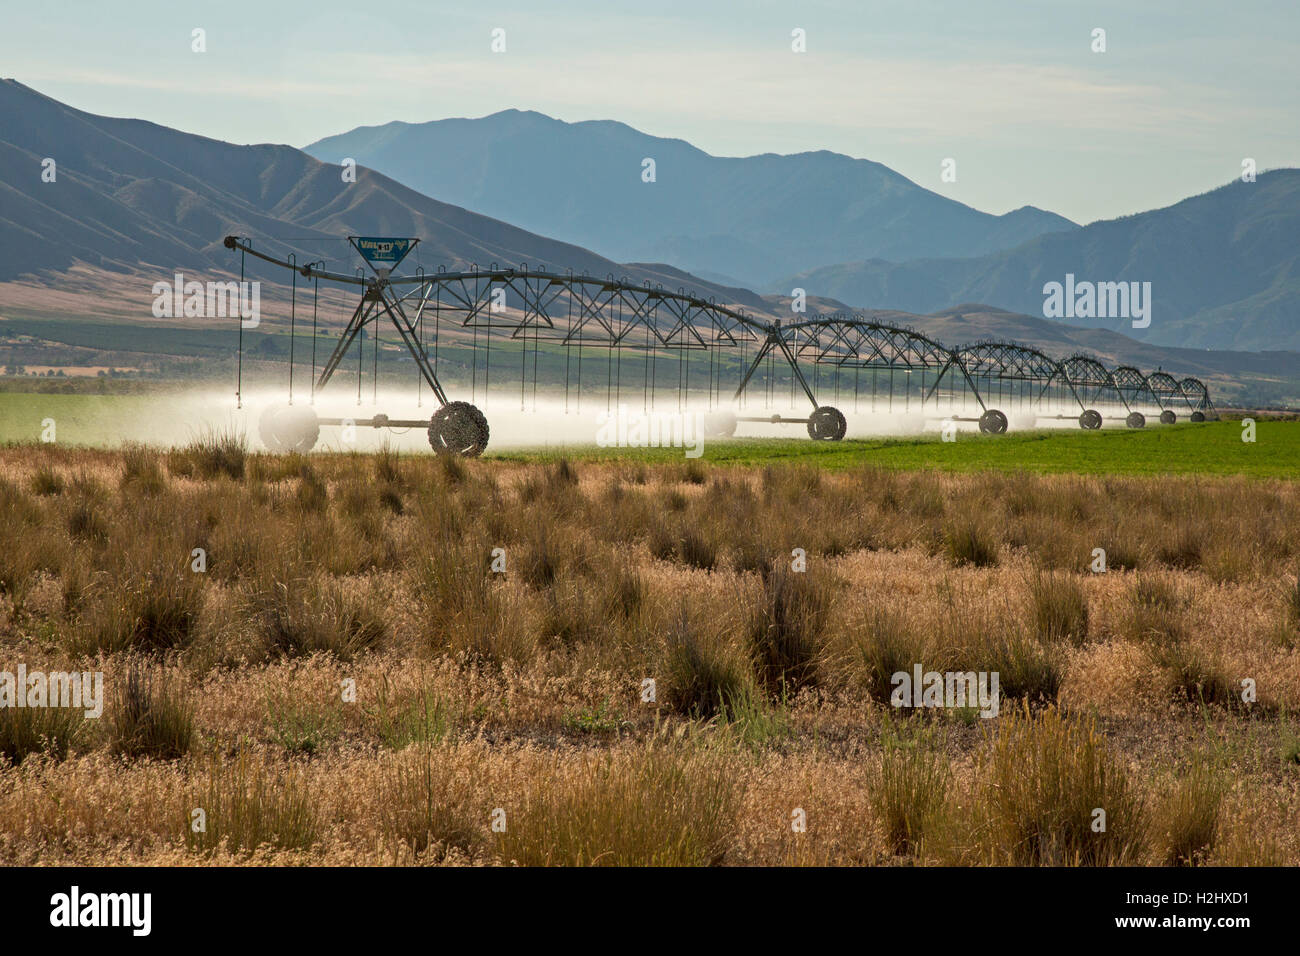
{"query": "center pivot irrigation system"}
pixel 550 320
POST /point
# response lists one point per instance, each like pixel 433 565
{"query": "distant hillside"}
pixel 131 196
pixel 134 201
pixel 1224 269
pixel 756 219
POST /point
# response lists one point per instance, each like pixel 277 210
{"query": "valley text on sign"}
pixel 387 252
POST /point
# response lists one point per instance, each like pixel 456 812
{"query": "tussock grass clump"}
pixel 523 690
pixel 1193 676
pixel 1041 781
pixel 624 593
pixel 694 473
pixel 301 618
pixel 786 629
pixel 390 497
pixel 466 610
pixel 1123 553
pixel 142 470
pixel 86 521
pixel 212 454
pixel 1186 548
pixel 660 805
pixel 540 563
pixel 556 486
pixel 1155 612
pixel 1188 819
pixel 966 541
pixel 388 467
pixel 1290 634
pixel 47 482
pixel 246 806
pixel 749 554
pixel 885 646
pixel 275 467
pixel 704 674
pixel 357 498
pixel 908 789
pixel 1026 669
pixel 1060 609
pixel 1289 749
pixel 683 544
pixel 51 731
pixel 570 616
pixel 426 804
pixel 312 495
pixel 150 717
pixel 564 474
pixel 452 469
pixel 152 611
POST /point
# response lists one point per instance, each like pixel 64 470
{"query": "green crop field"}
pixel 1211 448
pixel 80 419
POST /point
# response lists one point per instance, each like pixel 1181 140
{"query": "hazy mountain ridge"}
pixel 132 195
pixel 756 218
pixel 134 201
pixel 1224 268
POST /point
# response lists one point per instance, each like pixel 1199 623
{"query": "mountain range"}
pixel 1224 269
pixel 132 201
pixel 132 196
pixel 749 221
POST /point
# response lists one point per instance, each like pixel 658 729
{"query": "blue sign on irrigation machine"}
pixel 381 251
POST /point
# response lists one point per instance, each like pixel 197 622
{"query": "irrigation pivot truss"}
pixel 629 340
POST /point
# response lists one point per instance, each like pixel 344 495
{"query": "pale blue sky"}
pixel 1011 90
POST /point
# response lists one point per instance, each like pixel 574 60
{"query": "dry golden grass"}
pixel 353 679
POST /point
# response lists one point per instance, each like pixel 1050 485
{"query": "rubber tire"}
pixel 289 428
pixel 1136 420
pixel 458 428
pixel 1198 417
pixel 719 425
pixel 993 422
pixel 1167 417
pixel 1090 419
pixel 827 423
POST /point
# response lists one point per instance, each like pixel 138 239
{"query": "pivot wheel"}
pixel 719 425
pixel 993 422
pixel 827 424
pixel 1198 416
pixel 1090 419
pixel 1167 417
pixel 458 428
pixel 1136 420
pixel 289 428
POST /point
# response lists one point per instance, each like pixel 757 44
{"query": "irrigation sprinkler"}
pixel 613 341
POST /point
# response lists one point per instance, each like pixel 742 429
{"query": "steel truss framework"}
pixel 634 335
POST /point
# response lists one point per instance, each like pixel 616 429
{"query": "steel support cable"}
pixel 523 352
pixel 487 351
pixel 239 374
pixel 315 300
pixel 645 369
pixel 293 316
pixel 568 350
